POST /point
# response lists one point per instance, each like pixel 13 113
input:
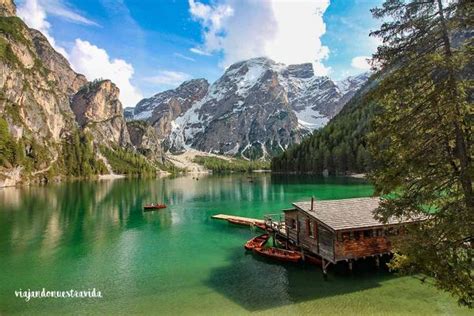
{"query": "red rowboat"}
pixel 151 207
pixel 257 242
pixel 278 254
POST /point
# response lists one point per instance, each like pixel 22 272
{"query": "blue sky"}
pixel 148 46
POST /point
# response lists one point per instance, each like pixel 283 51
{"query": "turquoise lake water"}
pixel 179 261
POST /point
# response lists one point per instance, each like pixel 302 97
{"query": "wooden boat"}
pixel 278 254
pixel 151 207
pixel 257 242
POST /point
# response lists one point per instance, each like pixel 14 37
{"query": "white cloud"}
pixel 184 57
pixel 361 62
pixel 198 51
pixel 85 58
pixel 285 31
pixel 34 15
pixel 94 62
pixel 61 9
pixel 168 78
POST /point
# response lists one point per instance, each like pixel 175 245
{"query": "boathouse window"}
pixel 292 223
pixel 346 236
pixel 357 235
pixel 367 233
pixel 310 227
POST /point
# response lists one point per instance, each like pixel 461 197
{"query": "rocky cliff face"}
pixel 163 108
pixel 7 8
pixel 98 111
pixel 145 140
pixel 43 102
pixel 256 109
pixel 67 80
pixel 33 97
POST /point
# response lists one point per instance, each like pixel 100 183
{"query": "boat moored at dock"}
pixel 279 254
pixel 257 242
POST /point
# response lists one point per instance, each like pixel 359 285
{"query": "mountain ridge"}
pixel 267 106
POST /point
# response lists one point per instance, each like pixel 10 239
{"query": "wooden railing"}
pixel 276 222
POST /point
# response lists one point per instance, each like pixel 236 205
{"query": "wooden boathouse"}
pixel 336 230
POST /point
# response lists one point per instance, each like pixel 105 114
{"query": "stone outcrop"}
pixel 145 140
pixel 7 8
pixel 43 101
pixel 32 99
pixel 98 111
pixel 68 81
pixel 163 108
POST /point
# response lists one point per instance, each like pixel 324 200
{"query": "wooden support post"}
pixel 350 266
pixel 325 265
pixel 377 261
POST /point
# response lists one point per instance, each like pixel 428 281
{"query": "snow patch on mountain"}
pixel 311 119
pixel 257 108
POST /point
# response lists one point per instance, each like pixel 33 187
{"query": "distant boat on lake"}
pixel 151 207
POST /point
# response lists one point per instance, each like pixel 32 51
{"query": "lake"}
pixel 94 234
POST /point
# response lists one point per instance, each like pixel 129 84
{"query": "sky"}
pixel 148 46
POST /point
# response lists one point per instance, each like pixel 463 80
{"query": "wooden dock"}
pixel 248 220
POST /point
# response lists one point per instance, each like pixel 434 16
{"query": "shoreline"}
pixel 112 176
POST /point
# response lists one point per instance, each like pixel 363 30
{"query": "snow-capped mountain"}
pixel 256 109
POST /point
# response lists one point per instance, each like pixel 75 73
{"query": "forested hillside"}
pixel 340 147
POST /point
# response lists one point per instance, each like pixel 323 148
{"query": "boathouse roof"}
pixel 348 214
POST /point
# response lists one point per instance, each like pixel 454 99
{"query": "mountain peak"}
pixel 256 109
pixel 352 81
pixel 302 71
pixel 253 62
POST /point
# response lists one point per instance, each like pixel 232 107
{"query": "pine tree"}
pixel 422 137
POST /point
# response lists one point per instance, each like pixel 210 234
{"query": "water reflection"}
pixel 41 217
pixel 95 234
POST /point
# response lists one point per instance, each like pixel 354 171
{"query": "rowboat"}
pixel 151 207
pixel 257 242
pixel 278 254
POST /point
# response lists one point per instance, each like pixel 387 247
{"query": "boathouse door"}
pixel 325 242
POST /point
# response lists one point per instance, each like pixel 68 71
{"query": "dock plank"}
pixel 240 218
